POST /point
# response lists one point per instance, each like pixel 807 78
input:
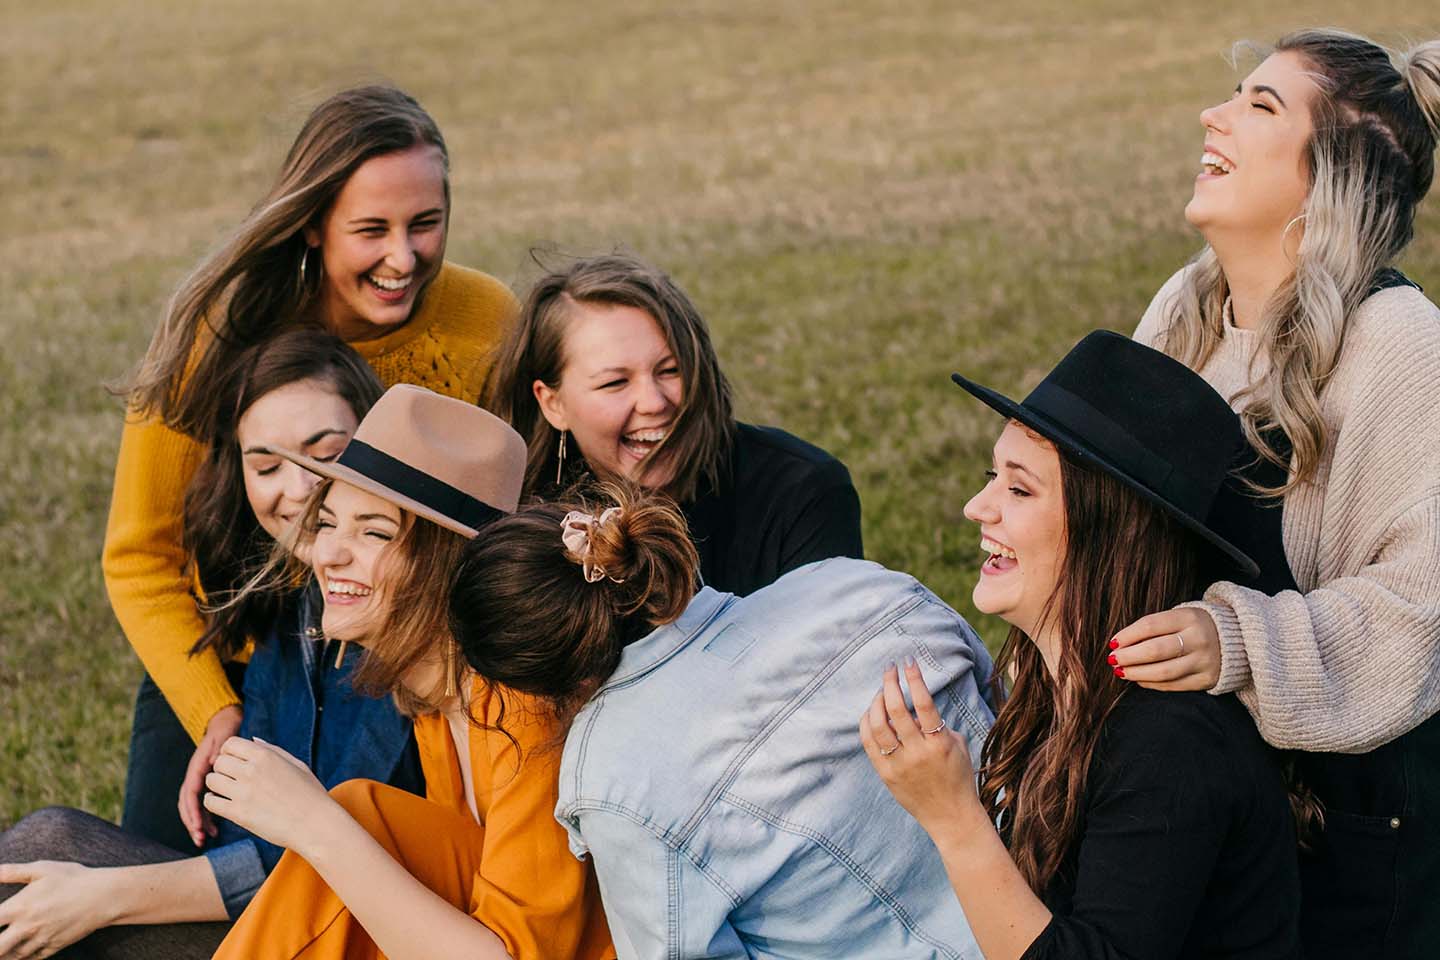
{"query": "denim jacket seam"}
pixel 877 889
pixel 977 726
pixel 773 723
pixel 677 848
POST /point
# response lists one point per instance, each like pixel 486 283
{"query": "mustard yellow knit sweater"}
pixel 446 346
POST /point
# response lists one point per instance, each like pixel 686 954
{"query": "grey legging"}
pixel 59 833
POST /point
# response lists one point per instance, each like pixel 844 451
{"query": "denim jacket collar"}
pixel 659 645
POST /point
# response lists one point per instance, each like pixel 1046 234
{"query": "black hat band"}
pixel 417 485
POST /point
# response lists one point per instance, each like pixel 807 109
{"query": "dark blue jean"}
pixel 160 752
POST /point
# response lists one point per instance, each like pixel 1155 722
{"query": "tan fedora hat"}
pixel 442 459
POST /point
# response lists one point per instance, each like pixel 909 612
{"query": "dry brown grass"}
pixel 861 196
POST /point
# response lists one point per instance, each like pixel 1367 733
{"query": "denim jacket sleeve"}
pixel 658 903
pixel 241 861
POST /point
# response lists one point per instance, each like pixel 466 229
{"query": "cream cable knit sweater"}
pixel 1354 661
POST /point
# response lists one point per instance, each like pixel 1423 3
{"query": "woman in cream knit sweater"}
pixel 1311 174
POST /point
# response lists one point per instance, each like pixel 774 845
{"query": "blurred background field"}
pixel 861 197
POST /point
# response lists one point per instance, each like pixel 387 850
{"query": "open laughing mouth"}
pixel 1001 558
pixel 1215 164
pixel 345 592
pixel 390 289
pixel 642 443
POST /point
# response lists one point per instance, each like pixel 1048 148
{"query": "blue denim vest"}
pixel 718 780
pixel 298 699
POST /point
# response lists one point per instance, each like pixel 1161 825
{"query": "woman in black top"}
pixel 610 371
pixel 1109 821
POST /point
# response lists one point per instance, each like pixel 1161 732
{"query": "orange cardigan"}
pixel 446 346
pixel 530 890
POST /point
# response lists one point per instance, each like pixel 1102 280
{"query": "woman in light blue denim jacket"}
pixel 716 780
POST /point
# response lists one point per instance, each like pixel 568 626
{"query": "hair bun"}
pixel 1420 66
pixel 643 546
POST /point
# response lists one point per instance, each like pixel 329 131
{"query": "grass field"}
pixel 861 196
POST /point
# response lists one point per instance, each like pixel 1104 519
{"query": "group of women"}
pixel 540 653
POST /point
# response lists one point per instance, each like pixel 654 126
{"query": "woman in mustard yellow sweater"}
pixel 351 236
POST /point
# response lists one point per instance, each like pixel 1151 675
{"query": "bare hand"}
pixel 924 765
pixel 267 791
pixel 1175 650
pixel 198 822
pixel 61 903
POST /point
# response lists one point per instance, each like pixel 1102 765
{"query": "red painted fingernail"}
pixel 1111 660
pixel 1119 671
pixel 1114 644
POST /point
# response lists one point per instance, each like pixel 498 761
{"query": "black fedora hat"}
pixel 1144 418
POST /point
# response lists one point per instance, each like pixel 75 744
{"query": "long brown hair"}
pixel 223 540
pixel 526 618
pixel 1037 757
pixel 254 282
pixel 699 442
pixel 1370 160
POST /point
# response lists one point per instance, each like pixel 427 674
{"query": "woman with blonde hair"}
pixel 1311 175
pixel 351 236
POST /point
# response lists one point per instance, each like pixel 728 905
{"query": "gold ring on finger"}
pixel 1182 645
pixel 886 751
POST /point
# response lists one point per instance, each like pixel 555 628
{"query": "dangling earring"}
pixel 341 655
pixel 304 256
pixel 560 460
pixel 449 670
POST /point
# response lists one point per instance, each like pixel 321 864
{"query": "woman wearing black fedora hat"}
pixel 1109 820
pixel 1313 175
pixel 478 867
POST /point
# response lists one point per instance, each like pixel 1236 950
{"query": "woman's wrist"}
pixel 960 824
pixel 328 832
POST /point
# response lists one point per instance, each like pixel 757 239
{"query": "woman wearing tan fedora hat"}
pixel 117 895
pixel 351 236
pixel 480 868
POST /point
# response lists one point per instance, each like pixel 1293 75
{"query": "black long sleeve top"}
pixel 1187 846
pixel 781 503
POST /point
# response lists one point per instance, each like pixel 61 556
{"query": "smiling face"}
pixel 352 539
pixel 308 417
pixel 1254 175
pixel 1021 513
pixel 381 241
pixel 619 393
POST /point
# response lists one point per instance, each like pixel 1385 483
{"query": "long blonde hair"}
pixel 1371 159
pixel 254 284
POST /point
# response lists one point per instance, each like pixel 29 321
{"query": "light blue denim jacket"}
pixel 718 780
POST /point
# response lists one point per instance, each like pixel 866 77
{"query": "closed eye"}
pixel 1262 105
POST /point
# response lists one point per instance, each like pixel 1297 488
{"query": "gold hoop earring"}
pixel 560 459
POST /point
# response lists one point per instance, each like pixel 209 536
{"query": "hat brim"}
pixel 337 471
pixel 1076 446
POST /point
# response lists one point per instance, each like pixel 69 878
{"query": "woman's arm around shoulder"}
pixel 144 563
pixel 1355 661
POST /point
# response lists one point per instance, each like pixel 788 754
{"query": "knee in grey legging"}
pixel 59 833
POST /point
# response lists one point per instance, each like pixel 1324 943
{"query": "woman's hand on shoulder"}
pixel 925 765
pixel 1178 649
pixel 267 791
pixel 61 903
pixel 198 822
